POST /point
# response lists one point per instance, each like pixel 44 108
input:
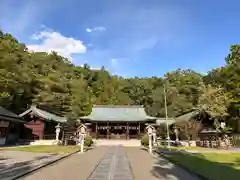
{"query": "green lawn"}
pixel 214 166
pixel 46 149
pixel 186 148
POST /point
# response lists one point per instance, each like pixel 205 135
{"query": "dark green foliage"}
pixel 88 141
pixel 145 140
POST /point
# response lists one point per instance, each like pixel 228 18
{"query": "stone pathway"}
pixel 152 167
pixel 76 167
pixel 112 163
pixel 113 166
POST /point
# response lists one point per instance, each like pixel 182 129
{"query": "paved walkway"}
pixel 112 163
pixel 76 167
pixel 113 166
pixel 148 167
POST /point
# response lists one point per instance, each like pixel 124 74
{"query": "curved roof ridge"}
pixel 44 114
pixel 118 113
pixel 118 106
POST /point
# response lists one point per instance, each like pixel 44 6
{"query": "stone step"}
pixel 133 143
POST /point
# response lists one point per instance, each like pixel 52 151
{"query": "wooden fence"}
pixel 219 140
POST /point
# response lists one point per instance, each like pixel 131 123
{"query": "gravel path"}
pixel 152 167
pixel 76 167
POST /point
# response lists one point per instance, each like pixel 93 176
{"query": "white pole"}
pixel 166 115
pixel 176 133
pixel 150 143
pixel 82 144
pixel 154 138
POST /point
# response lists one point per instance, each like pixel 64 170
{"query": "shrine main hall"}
pixel 117 122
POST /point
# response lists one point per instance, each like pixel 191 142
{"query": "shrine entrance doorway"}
pixel 118 131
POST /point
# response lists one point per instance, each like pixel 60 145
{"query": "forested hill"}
pixel 52 82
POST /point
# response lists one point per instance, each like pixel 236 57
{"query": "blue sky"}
pixel 128 37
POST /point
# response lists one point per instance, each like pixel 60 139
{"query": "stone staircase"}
pixel 106 142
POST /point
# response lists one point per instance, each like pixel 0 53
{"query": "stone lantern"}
pixel 176 133
pixel 58 129
pixel 81 135
pixel 150 131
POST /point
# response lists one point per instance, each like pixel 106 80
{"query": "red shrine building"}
pixel 40 124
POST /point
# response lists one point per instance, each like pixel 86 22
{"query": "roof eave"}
pixel 85 118
pixel 151 117
pixel 187 116
pixel 8 118
pixel 25 112
pixel 51 120
pixel 36 112
pixel 113 120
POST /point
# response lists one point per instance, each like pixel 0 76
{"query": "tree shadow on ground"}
pixel 10 170
pixel 43 157
pixel 185 162
pixel 163 169
pixel 3 158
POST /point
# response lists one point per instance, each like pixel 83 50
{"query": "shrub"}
pixel 88 141
pixel 145 140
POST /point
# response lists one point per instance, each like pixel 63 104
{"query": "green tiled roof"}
pixel 44 114
pixel 187 116
pixel 163 121
pixel 9 116
pixel 117 113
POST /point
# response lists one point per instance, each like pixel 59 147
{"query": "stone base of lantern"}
pixel 56 142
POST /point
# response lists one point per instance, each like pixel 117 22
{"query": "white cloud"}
pixel 113 61
pixel 118 67
pixel 92 68
pixel 89 30
pixel 54 41
pixel 99 28
pixel 147 43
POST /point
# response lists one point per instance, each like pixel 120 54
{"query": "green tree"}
pixel 53 82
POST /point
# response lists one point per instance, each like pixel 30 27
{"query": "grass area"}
pixel 213 166
pixel 189 148
pixel 46 149
pixel 184 147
